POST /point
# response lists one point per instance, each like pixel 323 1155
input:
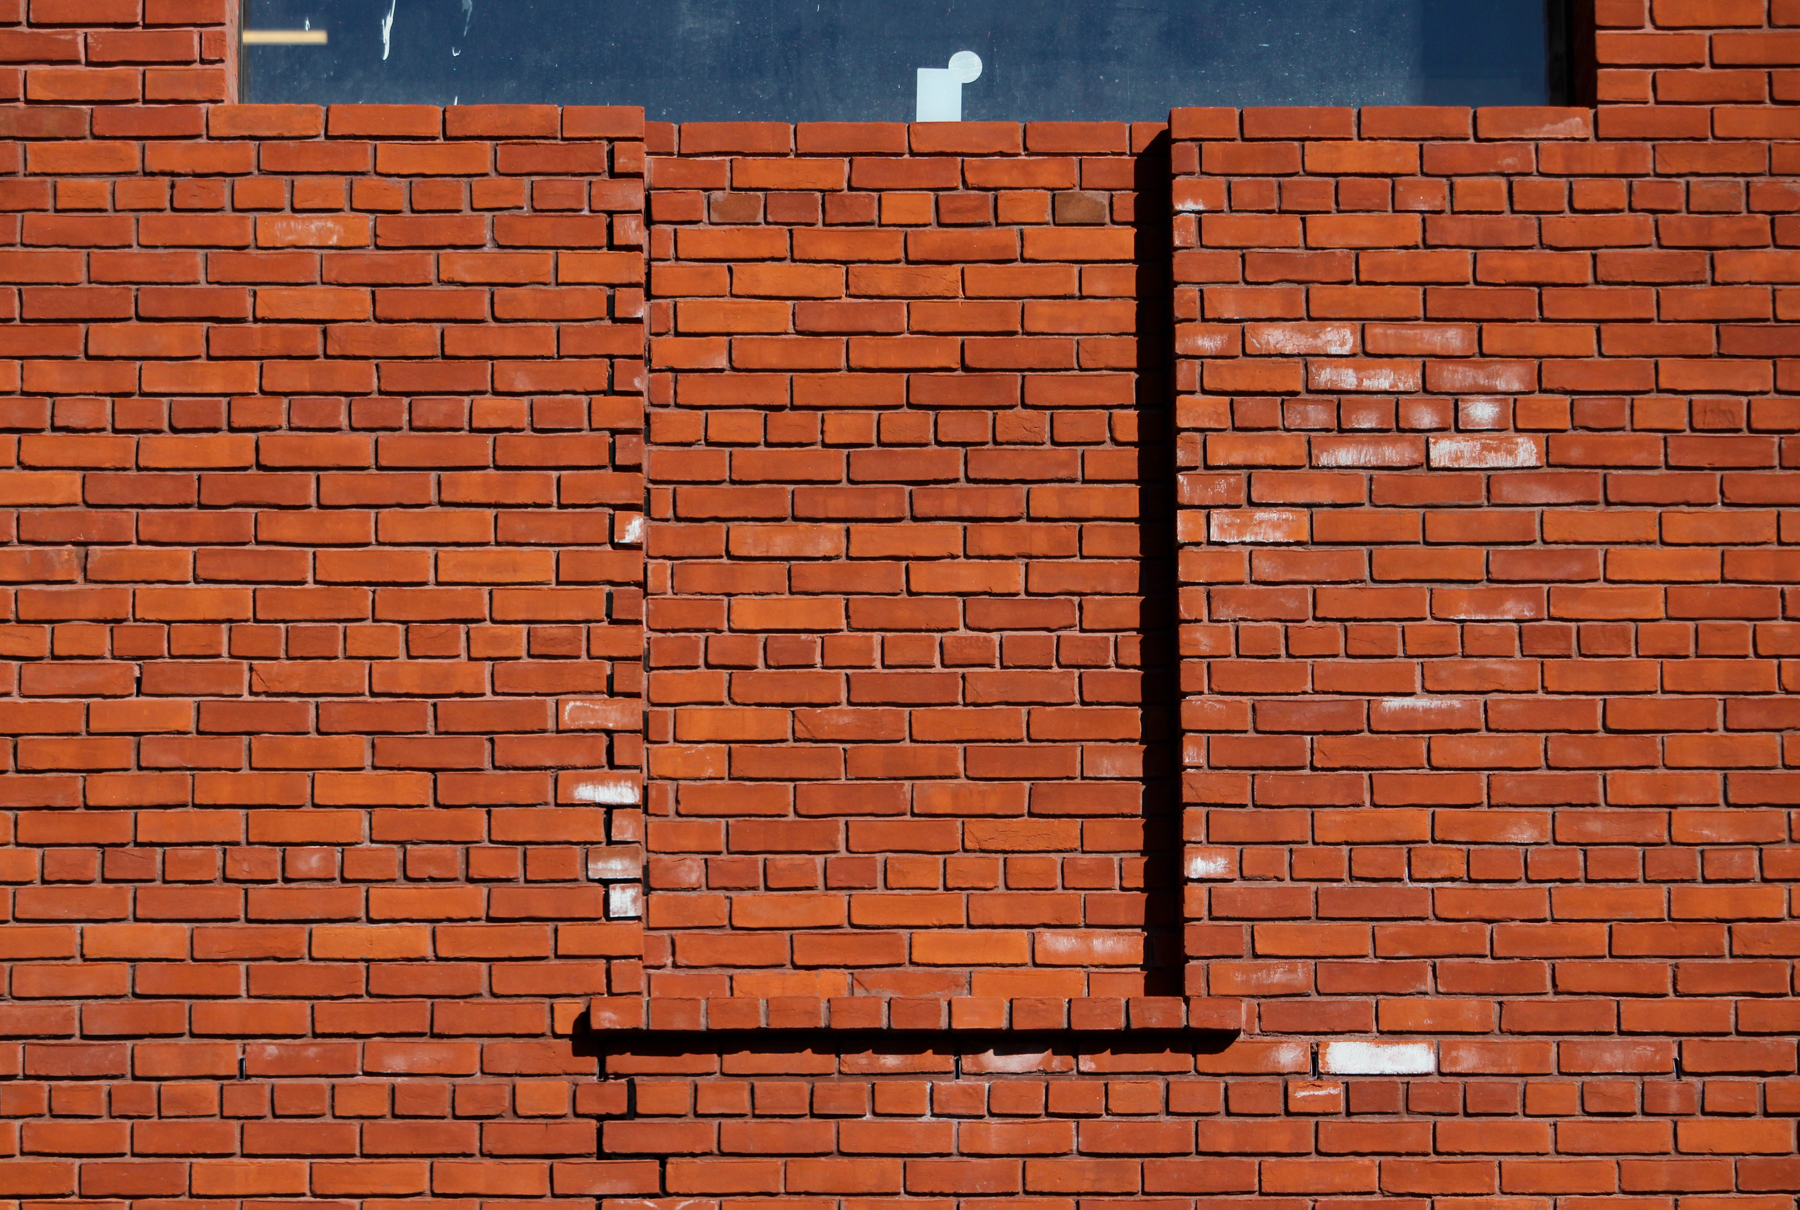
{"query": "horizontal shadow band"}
pixel 659 1042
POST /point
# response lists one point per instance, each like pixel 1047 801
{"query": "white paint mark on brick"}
pixel 1204 340
pixel 624 901
pixel 1485 453
pixel 1277 975
pixel 1377 1058
pixel 1290 1056
pixel 1367 451
pixel 613 792
pixel 1514 609
pixel 633 532
pixel 1090 945
pixel 621 863
pixel 1208 863
pixel 1417 710
pixel 1483 414
pixel 1293 340
pixel 315 232
pixel 1575 127
pixel 1363 376
pixel 1259 525
pixel 1016 1064
pixel 1189 197
pixel 602 714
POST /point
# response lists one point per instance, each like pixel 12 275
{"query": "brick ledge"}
pixel 1036 1014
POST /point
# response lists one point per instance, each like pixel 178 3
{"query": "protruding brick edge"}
pixel 1082 1014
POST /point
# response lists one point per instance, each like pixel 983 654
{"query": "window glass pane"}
pixel 857 60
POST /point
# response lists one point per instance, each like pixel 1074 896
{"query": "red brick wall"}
pixel 904 605
pixel 323 515
pixel 1415 547
pixel 120 54
pixel 1730 57
pixel 1487 598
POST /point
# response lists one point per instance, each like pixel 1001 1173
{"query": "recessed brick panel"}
pixel 907 564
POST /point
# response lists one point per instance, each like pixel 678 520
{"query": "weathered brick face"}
pixel 1250 658
pixel 1487 583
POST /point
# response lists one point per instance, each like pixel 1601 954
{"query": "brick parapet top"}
pixel 427 122
pixel 1382 122
pixel 1623 123
pixel 34 121
pixel 1266 123
pixel 901 1013
pixel 1121 138
pixel 900 138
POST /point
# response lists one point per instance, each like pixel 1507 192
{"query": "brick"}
pixel 907 561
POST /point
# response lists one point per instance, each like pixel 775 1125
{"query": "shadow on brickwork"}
pixel 822 1058
pixel 966 1051
pixel 1152 225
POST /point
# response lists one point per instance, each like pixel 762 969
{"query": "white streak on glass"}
pixel 387 30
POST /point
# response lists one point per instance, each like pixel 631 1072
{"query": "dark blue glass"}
pixel 855 60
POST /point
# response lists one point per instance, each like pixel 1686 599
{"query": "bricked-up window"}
pixel 857 60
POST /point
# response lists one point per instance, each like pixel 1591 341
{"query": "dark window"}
pixel 858 60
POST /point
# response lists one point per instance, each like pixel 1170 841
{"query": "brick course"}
pixel 1250 658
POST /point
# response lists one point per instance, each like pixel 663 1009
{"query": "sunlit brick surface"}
pixel 1362 541
pixel 1487 566
pixel 906 631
